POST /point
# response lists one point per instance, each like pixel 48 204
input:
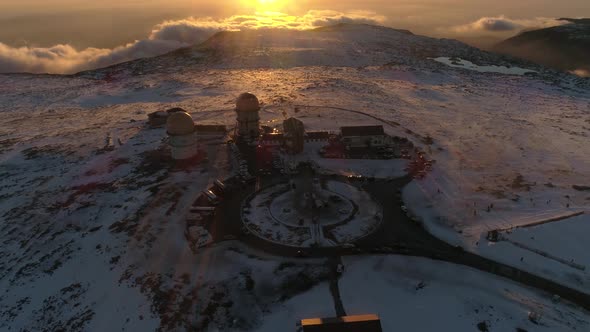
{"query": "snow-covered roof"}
pixel 247 102
pixel 180 123
pixel 175 110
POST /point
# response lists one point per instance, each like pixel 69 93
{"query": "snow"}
pixel 461 63
pixel 563 240
pixel 480 167
pixel 392 168
pixel 418 294
pixel 161 92
pixel 569 234
pixel 283 209
pixel 316 302
pixel 261 222
pixel 88 197
pixel 381 169
pixel 272 216
pixel 365 220
pixel 390 287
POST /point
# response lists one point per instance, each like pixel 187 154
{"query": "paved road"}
pixel 418 242
pixel 334 288
pixel 397 235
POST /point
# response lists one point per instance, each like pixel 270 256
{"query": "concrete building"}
pixel 182 138
pixel 210 130
pixel 294 135
pixel 264 158
pixel 272 139
pixel 363 136
pixel 317 136
pixel 247 107
pixel 159 118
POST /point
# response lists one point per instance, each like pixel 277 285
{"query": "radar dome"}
pixel 247 102
pixel 180 123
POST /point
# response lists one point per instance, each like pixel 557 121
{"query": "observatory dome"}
pixel 247 102
pixel 180 123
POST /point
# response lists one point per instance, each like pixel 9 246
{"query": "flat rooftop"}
pixel 357 323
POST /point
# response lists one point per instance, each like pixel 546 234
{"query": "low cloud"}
pixel 165 37
pixel 64 59
pixel 192 30
pixel 503 24
pixel 188 31
pixel 324 18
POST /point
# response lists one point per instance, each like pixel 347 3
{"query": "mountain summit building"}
pixel 294 135
pixel 181 135
pixel 363 136
pixel 247 108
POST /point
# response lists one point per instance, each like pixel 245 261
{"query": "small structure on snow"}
pixel 272 139
pixel 210 130
pixel 363 136
pixel 318 136
pixel 181 132
pixel 159 118
pixel 247 107
pixel 294 135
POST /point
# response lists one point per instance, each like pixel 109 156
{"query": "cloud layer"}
pixel 64 59
pixel 503 24
pixel 165 37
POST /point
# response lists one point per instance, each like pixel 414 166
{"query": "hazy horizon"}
pixel 112 23
pixel 36 35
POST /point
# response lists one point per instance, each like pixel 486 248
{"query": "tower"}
pixel 247 107
pixel 294 135
pixel 182 137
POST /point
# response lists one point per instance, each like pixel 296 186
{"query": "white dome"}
pixel 247 102
pixel 180 123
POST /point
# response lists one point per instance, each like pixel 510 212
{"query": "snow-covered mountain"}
pixel 352 45
pixel 565 47
pixel 92 216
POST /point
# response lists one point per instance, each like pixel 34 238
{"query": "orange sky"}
pixel 107 23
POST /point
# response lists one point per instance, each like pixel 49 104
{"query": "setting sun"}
pixel 294 165
pixel 267 5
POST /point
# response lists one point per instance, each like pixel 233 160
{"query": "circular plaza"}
pixel 311 211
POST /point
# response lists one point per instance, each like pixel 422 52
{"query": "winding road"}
pixel 397 235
